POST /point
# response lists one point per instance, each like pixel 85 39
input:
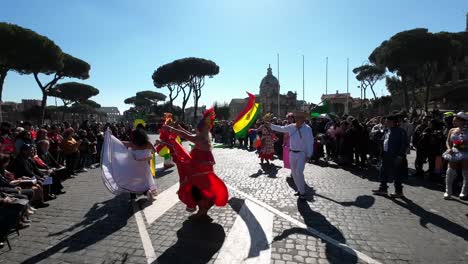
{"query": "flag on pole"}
pixel 246 118
pixel 320 109
pixel 153 165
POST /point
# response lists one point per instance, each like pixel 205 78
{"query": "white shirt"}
pixel 300 139
pixel 386 138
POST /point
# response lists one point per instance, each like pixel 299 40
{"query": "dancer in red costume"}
pixel 199 185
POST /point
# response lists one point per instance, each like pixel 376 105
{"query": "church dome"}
pixel 269 80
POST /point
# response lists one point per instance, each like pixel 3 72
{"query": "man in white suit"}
pixel 301 141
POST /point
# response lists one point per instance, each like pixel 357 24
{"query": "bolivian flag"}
pixel 246 117
pixel 153 165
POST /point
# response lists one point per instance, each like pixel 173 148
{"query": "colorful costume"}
pixel 459 150
pixel 125 170
pixel 162 150
pixel 199 185
pixel 267 146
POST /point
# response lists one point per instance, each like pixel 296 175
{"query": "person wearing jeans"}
pixel 393 159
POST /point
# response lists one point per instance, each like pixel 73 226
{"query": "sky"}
pixel 125 41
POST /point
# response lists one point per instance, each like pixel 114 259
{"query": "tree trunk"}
pixel 405 94
pixel 195 105
pixel 43 106
pixel 44 90
pixel 373 92
pixel 426 102
pixel 3 74
pixel 413 94
pixel 185 100
pixel 171 100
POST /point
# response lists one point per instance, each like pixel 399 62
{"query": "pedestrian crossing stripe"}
pixel 252 230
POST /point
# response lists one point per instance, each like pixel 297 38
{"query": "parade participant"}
pixel 393 157
pixel 287 164
pixel 301 141
pixel 457 155
pixel 267 144
pixel 163 151
pixel 126 165
pixel 199 185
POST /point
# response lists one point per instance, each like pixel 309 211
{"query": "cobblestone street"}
pixel 341 222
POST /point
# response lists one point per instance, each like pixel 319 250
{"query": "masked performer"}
pixel 199 185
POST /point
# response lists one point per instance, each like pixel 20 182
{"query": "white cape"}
pixel 121 172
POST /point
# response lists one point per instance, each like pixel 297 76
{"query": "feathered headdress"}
pixel 167 118
pixel 207 119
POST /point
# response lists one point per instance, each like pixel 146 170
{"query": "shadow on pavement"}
pixel 362 201
pixel 271 170
pixel 163 172
pixel 102 220
pixel 197 243
pixel 258 239
pixel 426 217
pixel 317 221
pixel 309 191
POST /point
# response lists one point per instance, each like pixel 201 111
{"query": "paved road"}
pixel 263 223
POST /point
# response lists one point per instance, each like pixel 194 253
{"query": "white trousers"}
pixel 297 160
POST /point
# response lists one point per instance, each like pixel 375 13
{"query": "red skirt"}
pixel 198 182
pixel 267 156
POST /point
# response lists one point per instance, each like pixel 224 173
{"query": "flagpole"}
pixel 303 85
pixel 347 85
pixel 278 86
pixel 326 76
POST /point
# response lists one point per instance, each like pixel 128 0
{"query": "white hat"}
pixel 462 115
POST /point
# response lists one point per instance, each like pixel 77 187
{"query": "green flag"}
pixel 320 109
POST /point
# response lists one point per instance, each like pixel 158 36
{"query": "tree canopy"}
pixel 420 56
pixel 73 92
pixel 145 100
pixel 25 51
pixel 185 75
pixel 368 75
pixel 151 96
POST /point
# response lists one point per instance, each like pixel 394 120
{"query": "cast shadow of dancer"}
pixel 161 172
pixel 102 220
pixel 426 217
pixel 318 222
pixel 362 201
pixel 271 170
pixel 197 242
pixel 309 191
pixel 258 239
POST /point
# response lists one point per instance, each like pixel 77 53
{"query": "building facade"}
pixel 268 98
pixel 339 103
pixel 29 103
pixel 112 114
pixel 189 112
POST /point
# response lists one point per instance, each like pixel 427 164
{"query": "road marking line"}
pixel 249 238
pixel 145 238
pixel 311 230
pixel 164 201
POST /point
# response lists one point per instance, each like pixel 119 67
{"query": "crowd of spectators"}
pixel 35 161
pixel 354 143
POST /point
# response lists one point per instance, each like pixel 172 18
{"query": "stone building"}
pixel 268 98
pixel 339 103
pixel 112 114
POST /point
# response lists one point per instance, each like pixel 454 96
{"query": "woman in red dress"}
pixel 199 185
